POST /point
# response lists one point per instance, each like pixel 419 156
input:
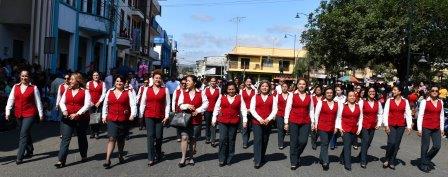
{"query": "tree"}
pixel 365 33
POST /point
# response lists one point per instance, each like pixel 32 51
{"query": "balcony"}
pixel 156 9
pixel 153 54
pixel 93 22
pixel 156 28
pixel 137 13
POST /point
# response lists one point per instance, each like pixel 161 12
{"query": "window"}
pixel 99 4
pixel 245 63
pixel 284 65
pixel 89 6
pixel 266 62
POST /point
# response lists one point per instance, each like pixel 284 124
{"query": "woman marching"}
pixel 25 99
pixel 247 93
pixel 174 102
pixel 263 108
pixel 299 119
pixel 316 97
pixel 155 108
pixel 118 109
pixel 372 111
pixel 97 90
pixel 195 102
pixel 74 106
pixel 430 125
pixel 212 92
pixel 282 98
pixel 396 118
pixel 325 115
pixel 227 112
pixel 145 84
pixel 348 122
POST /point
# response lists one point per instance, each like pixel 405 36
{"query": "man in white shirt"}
pixel 278 88
pixel 110 79
pixel 172 85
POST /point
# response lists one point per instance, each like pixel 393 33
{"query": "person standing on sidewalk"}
pixel 25 99
pixel 430 125
pixel 282 98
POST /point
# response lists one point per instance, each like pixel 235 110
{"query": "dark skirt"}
pixel 117 130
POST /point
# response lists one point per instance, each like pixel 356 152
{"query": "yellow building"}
pixel 263 63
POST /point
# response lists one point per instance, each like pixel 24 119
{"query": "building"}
pixel 263 63
pixel 24 24
pixel 211 66
pixel 166 46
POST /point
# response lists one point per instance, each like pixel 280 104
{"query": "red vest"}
pixel 315 101
pixel 300 113
pixel 431 117
pixel 118 110
pixel 24 104
pixel 263 108
pixel 230 112
pixel 61 89
pixel 75 103
pixel 274 92
pixel 370 115
pixel 155 104
pixel 196 102
pixel 176 106
pixel 281 105
pixel 350 119
pixel 212 98
pixel 327 117
pixel 396 113
pixel 247 97
pixel 95 92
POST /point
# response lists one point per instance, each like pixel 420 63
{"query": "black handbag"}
pixel 181 119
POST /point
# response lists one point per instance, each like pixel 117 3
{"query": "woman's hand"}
pixel 65 113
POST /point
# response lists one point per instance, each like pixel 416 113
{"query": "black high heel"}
pixel 107 165
pixel 121 159
pixel 60 165
pixel 181 165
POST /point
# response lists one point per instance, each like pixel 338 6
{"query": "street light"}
pixel 295 39
pixel 299 13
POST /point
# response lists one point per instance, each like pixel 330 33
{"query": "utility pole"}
pixel 237 20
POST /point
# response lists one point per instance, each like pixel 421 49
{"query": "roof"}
pixel 275 52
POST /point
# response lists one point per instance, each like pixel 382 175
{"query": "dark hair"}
pixel 328 88
pixel 318 87
pixel 366 92
pixel 213 77
pixel 245 79
pixel 197 84
pixel 224 90
pixel 122 78
pixel 399 87
pixel 264 82
pixel 348 92
pixel 157 72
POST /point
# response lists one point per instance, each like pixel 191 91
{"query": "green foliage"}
pixel 366 33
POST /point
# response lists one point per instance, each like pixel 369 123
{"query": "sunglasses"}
pixel 183 83
pixel 434 90
pixel 66 78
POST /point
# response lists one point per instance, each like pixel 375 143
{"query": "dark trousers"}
pixel 210 131
pixel 346 154
pixel 67 128
pixel 425 155
pixel 298 138
pixel 334 140
pixel 325 140
pixel 246 131
pixel 261 139
pixel 280 131
pixel 393 143
pixel 313 137
pixel 25 141
pixel 154 130
pixel 366 140
pixel 227 136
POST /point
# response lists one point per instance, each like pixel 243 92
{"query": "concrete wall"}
pixel 15 11
pixel 8 34
pixel 67 18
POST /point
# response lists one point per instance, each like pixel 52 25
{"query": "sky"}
pixel 205 27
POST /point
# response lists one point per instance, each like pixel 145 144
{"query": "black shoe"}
pixel 432 166
pixel 120 159
pixel 128 137
pixel 294 167
pixel 355 147
pixel 423 168
pixel 28 155
pixel 107 165
pixel 191 163
pixel 256 166
pixel 92 136
pixel 332 148
pixel 97 136
pixel 392 167
pixel 281 147
pixel 221 164
pixel 18 162
pixel 181 165
pixel 214 144
pixel 314 147
pixel 151 163
pixel 348 168
pixel 363 165
pixel 325 167
pixel 244 146
pixel 207 141
pixel 83 159
pixel 60 165
pixel 385 165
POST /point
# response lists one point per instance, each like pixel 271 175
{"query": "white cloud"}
pixel 281 29
pixel 203 39
pixel 202 17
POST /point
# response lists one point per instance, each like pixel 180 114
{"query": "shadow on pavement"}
pixel 10 139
